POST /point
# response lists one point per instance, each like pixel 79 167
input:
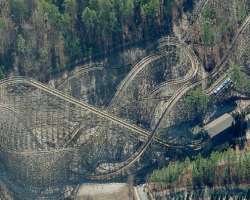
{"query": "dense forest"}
pixel 220 169
pixel 48 36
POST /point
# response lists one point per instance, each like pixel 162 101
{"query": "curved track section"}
pixel 135 70
pixel 81 71
pixel 193 72
pixel 166 41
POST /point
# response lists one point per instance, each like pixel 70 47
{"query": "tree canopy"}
pixel 52 35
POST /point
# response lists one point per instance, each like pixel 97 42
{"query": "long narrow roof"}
pixel 218 125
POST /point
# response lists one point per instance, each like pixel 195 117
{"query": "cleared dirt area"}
pixel 112 191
